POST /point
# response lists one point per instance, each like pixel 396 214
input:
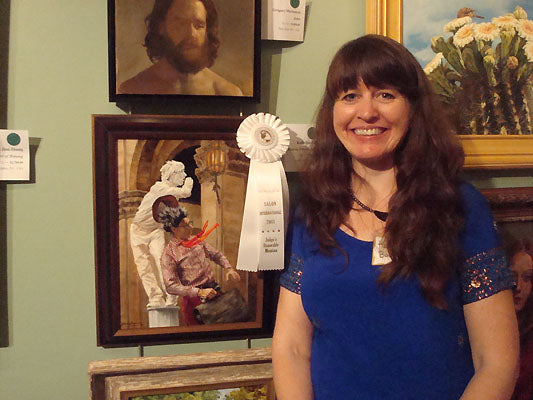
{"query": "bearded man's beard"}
pixel 174 55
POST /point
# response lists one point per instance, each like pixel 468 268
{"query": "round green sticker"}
pixel 13 139
pixel 295 3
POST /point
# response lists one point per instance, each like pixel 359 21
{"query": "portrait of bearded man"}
pixel 182 48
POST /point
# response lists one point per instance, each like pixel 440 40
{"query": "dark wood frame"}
pixel 107 130
pixel 510 204
pixel 116 97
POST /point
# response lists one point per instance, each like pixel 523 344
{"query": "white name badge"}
pixel 380 254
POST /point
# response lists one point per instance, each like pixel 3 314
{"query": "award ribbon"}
pixel 264 139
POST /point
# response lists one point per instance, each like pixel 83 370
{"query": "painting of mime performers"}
pixel 180 212
pixel 183 47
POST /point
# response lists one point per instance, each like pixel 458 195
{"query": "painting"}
pixel 255 392
pixel 222 375
pixel 479 58
pixel 169 197
pixel 183 48
pixel 513 213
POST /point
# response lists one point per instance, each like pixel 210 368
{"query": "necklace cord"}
pixel 381 215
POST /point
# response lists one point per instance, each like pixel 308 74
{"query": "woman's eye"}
pixel 386 96
pixel 349 97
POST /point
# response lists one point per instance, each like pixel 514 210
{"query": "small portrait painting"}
pixel 183 47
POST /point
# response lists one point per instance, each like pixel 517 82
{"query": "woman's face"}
pixel 522 268
pixel 370 123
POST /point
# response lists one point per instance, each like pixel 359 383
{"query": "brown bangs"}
pixel 375 61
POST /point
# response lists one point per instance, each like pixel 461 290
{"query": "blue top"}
pixel 373 344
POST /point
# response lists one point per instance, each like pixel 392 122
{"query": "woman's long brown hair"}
pixel 425 213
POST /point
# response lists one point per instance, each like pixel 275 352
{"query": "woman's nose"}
pixel 367 109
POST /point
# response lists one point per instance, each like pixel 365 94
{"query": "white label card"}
pixel 283 20
pixel 14 155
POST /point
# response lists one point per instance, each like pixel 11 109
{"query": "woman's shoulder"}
pixel 484 271
pixel 477 214
pixel 299 237
pixel 471 195
pixel 298 245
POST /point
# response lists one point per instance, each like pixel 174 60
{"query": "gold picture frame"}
pixel 384 17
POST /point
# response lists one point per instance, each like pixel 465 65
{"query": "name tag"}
pixel 380 254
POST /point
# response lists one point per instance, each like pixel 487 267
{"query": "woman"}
pixel 521 264
pixel 436 319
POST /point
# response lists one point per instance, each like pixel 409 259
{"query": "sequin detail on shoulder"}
pixel 290 279
pixel 485 274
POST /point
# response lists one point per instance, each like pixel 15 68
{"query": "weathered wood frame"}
pixel 124 378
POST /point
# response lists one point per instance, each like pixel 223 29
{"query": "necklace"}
pixel 381 215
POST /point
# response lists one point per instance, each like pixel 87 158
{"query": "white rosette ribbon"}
pixel 264 139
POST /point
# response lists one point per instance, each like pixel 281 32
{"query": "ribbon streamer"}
pixel 264 139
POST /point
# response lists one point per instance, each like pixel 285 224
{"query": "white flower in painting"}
pixel 520 13
pixel 456 23
pixel 507 21
pixel 486 31
pixel 433 64
pixel 464 36
pixel 525 29
pixel 528 49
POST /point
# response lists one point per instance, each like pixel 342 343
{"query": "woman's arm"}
pixel 493 334
pixel 291 349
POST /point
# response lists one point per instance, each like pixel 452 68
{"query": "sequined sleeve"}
pixel 290 279
pixel 296 250
pixel 485 274
pixel 484 271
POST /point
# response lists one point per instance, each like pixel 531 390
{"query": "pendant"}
pixel 380 254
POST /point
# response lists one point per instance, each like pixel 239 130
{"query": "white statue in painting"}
pixel 147 237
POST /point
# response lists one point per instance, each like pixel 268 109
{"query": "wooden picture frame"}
pixel 228 70
pixel 145 376
pixel 129 152
pixel 384 17
pixel 511 204
pixel 513 213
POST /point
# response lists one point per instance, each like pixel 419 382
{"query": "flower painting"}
pixel 479 64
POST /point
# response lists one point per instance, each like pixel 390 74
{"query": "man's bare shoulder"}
pixel 147 81
pixel 222 86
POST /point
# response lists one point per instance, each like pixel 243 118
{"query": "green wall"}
pixel 57 79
